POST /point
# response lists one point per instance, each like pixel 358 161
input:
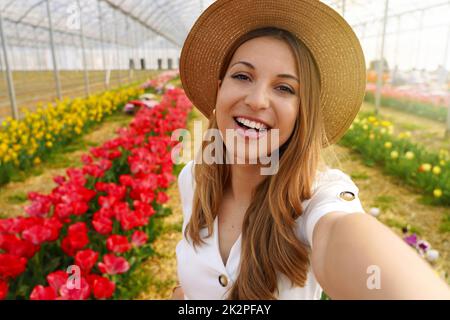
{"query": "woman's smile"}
pixel 249 128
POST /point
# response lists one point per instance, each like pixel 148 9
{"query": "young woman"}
pixel 295 68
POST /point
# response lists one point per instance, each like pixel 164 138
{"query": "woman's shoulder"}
pixel 332 190
pixel 328 176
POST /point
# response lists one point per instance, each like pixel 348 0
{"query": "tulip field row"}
pixel 431 107
pixel 428 171
pixel 30 140
pixel 85 238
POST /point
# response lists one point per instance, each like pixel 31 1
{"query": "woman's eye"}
pixel 237 76
pixel 244 77
pixel 287 89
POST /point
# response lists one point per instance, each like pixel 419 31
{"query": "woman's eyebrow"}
pixel 248 64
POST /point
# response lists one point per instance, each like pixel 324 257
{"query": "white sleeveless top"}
pixel 203 275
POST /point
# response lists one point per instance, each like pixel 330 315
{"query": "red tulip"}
pixel 3 289
pixel 139 238
pixel 59 180
pixel 105 165
pixel 63 211
pixel 86 159
pixel 40 204
pixel 16 246
pixel 37 234
pixel 55 227
pixel 76 238
pixel 107 202
pixel 86 259
pixel 162 198
pixel 143 208
pixel 102 224
pixel 11 266
pixel 113 265
pixel 126 180
pixel 118 244
pixel 43 293
pixel 57 279
pixel 130 220
pixel 72 293
pixel 76 176
pixel 103 288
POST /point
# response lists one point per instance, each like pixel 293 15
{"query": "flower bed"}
pixel 26 142
pixel 84 239
pixel 429 172
pixel 431 107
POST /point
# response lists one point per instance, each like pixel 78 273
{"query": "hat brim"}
pixel 331 40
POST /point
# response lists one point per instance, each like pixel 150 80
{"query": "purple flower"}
pixel 411 240
pixel 423 245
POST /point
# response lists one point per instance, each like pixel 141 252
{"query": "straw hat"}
pixel 327 35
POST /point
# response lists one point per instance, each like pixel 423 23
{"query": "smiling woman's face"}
pixel 260 85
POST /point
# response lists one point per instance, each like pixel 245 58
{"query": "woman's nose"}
pixel 257 97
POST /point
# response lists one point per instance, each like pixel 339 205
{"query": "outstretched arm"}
pixel 355 256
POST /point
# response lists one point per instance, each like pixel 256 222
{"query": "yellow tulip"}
pixel 388 145
pixel 437 193
pixel 394 154
pixel 436 170
pixel 409 155
pixel 37 161
pixel 425 167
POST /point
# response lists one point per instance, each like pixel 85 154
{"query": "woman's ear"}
pixel 219 82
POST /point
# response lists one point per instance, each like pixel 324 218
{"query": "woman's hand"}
pixel 357 257
pixel 178 294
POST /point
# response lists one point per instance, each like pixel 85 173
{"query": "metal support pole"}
pixel 102 40
pixel 445 67
pixel 397 40
pixel 83 48
pixel 130 48
pixel 52 46
pixel 167 54
pixel 9 78
pixel 381 60
pixel 447 129
pixel 117 47
pixel 419 38
pixel 343 8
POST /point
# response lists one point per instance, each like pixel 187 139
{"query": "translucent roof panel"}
pixel 26 20
pixel 416 30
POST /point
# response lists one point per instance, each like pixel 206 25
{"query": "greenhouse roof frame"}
pixel 169 20
pixel 144 15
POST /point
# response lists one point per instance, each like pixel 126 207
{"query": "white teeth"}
pixel 252 124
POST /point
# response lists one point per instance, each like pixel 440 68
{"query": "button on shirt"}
pixel 201 271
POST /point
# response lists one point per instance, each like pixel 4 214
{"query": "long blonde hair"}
pixel 269 242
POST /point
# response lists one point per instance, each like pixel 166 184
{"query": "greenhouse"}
pixel 94 95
